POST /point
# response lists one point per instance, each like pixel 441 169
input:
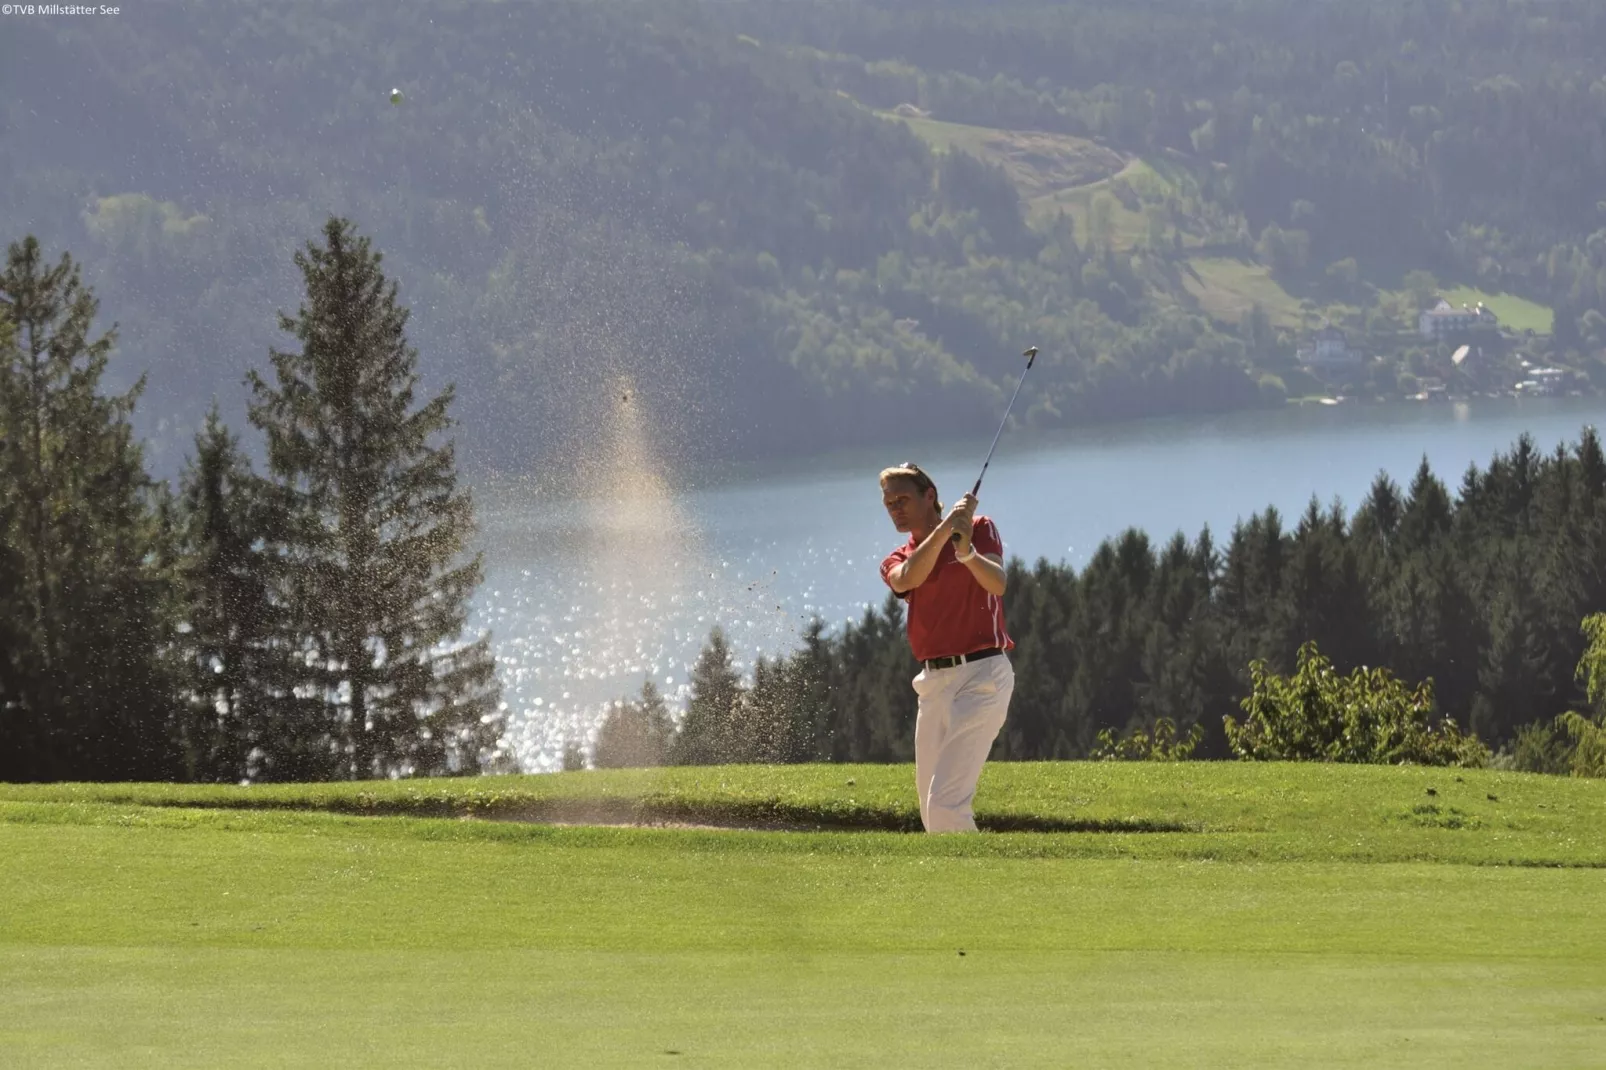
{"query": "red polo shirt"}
pixel 951 613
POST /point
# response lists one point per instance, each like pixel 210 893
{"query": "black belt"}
pixel 960 659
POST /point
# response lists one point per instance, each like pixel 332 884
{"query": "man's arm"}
pixel 989 572
pixel 917 568
pixel 987 568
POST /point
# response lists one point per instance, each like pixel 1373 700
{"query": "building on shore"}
pixel 1444 320
pixel 1329 353
pixel 1546 382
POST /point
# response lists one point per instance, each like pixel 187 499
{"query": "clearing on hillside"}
pixel 1041 164
pixel 1228 289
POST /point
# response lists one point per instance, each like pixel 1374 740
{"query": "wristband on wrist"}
pixel 966 556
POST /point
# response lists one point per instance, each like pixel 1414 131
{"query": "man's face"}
pixel 907 504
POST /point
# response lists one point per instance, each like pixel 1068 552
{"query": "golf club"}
pixel 1031 357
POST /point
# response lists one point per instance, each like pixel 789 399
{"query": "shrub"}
pixel 1574 742
pixel 1540 747
pixel 1161 745
pixel 1589 744
pixel 1367 717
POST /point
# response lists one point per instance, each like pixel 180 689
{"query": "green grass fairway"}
pixel 1516 313
pixel 1275 916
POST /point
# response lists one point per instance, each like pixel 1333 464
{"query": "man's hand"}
pixel 962 521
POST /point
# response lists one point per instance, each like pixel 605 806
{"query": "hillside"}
pixel 861 209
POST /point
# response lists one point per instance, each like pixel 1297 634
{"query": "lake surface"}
pixel 587 597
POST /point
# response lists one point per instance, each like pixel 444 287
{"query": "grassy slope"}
pixel 1517 313
pixel 1227 290
pixel 1057 172
pixel 177 936
pixel 1129 227
pixel 1039 163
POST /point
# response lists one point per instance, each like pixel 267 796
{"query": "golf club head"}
pixel 1030 355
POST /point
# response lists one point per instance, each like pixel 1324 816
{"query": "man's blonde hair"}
pixel 914 474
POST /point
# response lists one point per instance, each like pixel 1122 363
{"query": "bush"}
pixel 1574 742
pixel 1368 717
pixel 1540 748
pixel 1162 745
pixel 1589 744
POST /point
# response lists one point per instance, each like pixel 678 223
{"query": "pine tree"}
pixel 873 708
pixel 811 677
pixel 706 732
pixel 21 742
pixel 636 735
pixel 891 705
pixel 1511 678
pixel 1592 465
pixel 91 687
pixel 765 716
pixel 225 578
pixel 370 530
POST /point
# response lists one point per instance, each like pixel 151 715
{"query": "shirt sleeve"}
pixel 893 560
pixel 984 537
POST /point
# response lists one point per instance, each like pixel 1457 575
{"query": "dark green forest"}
pixel 1165 196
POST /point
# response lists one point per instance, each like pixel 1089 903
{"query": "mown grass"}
pixel 1227 810
pixel 1516 313
pixel 372 924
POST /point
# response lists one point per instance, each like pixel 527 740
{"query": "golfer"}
pixel 955 592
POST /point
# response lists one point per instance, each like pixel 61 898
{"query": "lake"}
pixel 588 596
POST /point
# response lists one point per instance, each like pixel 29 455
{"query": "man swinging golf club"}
pixel 951 572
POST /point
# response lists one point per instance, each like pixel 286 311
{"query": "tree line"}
pixel 301 623
pixel 1480 597
pixel 307 621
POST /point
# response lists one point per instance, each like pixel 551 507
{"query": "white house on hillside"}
pixel 1329 351
pixel 1445 319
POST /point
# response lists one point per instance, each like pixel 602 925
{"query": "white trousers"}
pixel 961 712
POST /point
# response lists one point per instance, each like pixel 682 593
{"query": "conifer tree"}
pixel 20 739
pixel 810 680
pixel 785 713
pixel 706 732
pixel 636 735
pixel 367 553
pixel 224 575
pixel 763 726
pixel 91 689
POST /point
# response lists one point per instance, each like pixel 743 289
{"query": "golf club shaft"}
pixel 1031 355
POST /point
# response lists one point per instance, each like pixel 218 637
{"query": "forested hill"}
pixel 786 224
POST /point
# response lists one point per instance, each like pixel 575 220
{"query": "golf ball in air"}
pixel 395 96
